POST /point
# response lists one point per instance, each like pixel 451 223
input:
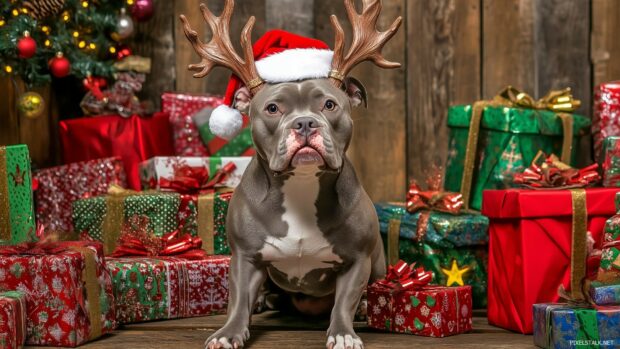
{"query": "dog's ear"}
pixel 242 100
pixel 356 91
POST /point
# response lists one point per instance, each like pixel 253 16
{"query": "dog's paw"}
pixel 226 338
pixel 344 341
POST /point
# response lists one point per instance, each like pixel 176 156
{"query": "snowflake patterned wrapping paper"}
pixel 454 247
pixel 158 288
pixel 17 222
pixel 560 326
pixel 508 140
pixel 610 162
pixel 203 215
pixel 154 170
pixel 60 186
pixel 68 293
pixel 606 117
pixel 12 319
pixel 431 311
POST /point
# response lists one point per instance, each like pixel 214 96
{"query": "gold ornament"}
pixel 455 275
pixel 31 105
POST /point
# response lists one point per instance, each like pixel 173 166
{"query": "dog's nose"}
pixel 305 125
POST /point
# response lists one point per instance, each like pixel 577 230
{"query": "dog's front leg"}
pixel 245 280
pixel 349 288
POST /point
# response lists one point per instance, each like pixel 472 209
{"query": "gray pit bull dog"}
pixel 300 215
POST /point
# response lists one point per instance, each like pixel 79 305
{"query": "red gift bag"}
pixel 530 236
pixel 134 139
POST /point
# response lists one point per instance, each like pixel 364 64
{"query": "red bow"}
pixel 434 200
pixel 94 85
pixel 137 240
pixel 404 277
pixel 550 172
pixel 189 180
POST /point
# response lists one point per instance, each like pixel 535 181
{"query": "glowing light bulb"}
pixel 65 16
pixel 129 2
pixel 8 69
pixel 48 43
pixel 82 44
pixel 76 34
pixel 15 12
pixel 112 49
pixel 2 22
pixel 84 4
pixel 92 46
pixel 45 29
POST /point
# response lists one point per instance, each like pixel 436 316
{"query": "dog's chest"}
pixel 304 248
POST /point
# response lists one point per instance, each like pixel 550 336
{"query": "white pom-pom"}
pixel 225 122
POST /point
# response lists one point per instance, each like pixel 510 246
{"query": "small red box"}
pixel 12 319
pixel 432 311
pixel 530 236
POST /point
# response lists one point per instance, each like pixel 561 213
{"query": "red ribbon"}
pixel 402 276
pixel 189 180
pixel 94 85
pixel 433 199
pixel 552 173
pixel 136 240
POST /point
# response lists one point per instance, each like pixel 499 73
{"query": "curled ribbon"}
pixel 402 276
pixel 550 172
pixel 137 240
pixel 433 199
pixel 189 180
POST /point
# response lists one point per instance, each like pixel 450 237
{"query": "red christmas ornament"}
pixel 123 52
pixel 60 66
pixel 26 46
pixel 142 10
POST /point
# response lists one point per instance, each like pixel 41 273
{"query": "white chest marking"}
pixel 304 248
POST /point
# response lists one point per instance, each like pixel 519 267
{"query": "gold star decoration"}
pixel 455 275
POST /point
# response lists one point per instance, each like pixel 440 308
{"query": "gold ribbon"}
pixel 392 238
pixel 5 208
pixel 560 101
pixel 206 224
pixel 114 216
pixel 579 245
pixel 93 290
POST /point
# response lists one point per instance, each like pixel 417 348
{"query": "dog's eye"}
pixel 272 108
pixel 330 105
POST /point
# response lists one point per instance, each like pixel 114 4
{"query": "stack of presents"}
pixel 132 227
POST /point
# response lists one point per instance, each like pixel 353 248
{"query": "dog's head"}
pixel 305 123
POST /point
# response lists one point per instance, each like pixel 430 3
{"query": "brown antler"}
pixel 367 40
pixel 220 51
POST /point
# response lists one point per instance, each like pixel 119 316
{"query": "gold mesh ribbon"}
pixel 392 239
pixel 559 101
pixel 93 290
pixel 5 221
pixel 206 226
pixel 579 246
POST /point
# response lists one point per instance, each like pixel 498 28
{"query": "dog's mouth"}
pixel 307 156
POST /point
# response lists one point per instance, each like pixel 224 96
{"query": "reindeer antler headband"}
pixel 366 45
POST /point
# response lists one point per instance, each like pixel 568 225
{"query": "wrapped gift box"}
pixel 429 311
pixel 182 108
pixel 68 290
pixel 562 326
pixel 167 287
pixel 60 186
pixel 12 319
pixel 154 172
pixel 204 215
pixel 133 139
pixel 530 236
pixel 453 247
pixel 610 161
pixel 509 139
pixel 605 294
pixel 606 118
pixel 609 270
pixel 16 208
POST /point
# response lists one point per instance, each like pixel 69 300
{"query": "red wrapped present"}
pixel 182 108
pixel 402 302
pixel 60 186
pixel 68 290
pixel 606 119
pixel 530 246
pixel 134 139
pixel 155 288
pixel 12 319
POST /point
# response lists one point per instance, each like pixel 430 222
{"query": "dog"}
pixel 299 216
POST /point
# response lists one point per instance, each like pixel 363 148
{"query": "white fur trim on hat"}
pixel 225 122
pixel 295 64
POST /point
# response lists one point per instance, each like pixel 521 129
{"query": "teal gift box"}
pixel 560 326
pixel 453 247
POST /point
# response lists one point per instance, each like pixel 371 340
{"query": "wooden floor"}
pixel 273 330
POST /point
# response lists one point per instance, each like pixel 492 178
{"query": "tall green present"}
pixel 492 140
pixel 452 246
pixel 16 208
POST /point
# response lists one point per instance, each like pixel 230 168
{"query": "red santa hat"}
pixel 280 56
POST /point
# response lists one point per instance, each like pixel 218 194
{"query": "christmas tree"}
pixel 44 38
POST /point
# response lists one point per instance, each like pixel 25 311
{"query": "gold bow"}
pixel 554 100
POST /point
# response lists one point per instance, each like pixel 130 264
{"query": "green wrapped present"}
pixel 491 140
pixel 16 208
pixel 452 246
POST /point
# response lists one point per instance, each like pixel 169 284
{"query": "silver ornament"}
pixel 124 26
